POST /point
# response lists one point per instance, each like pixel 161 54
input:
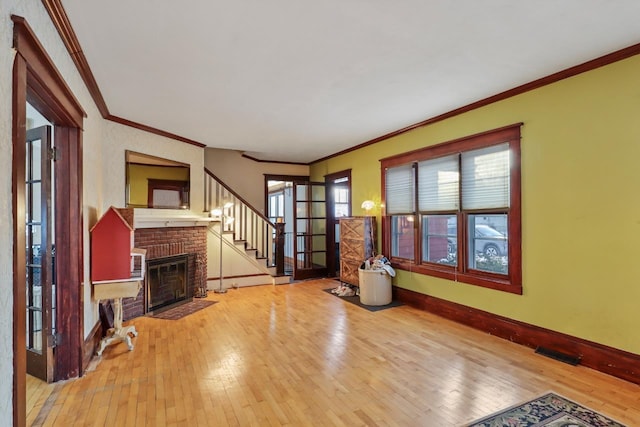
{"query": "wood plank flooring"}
pixel 293 355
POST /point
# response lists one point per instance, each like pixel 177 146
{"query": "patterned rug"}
pixel 549 410
pixel 183 310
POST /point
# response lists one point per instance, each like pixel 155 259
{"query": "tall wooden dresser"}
pixel 357 243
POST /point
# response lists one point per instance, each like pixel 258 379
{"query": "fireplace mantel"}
pixel 162 218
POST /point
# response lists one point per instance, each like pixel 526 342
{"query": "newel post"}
pixel 279 248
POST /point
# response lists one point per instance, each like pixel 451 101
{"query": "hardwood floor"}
pixel 293 355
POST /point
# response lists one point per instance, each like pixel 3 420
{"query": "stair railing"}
pixel 248 223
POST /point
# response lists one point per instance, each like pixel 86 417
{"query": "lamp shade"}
pixel 367 205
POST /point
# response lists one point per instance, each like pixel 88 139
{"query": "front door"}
pixel 39 254
pixel 310 223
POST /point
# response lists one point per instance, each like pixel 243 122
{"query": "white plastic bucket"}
pixel 375 287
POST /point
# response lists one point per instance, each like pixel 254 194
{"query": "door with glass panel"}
pixel 310 223
pixel 39 254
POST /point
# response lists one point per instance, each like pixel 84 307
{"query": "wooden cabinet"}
pixel 357 243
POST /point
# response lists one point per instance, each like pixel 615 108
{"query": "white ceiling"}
pixel 298 80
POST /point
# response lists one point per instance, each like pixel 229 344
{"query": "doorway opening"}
pixel 338 206
pixel 301 206
pixel 280 210
pixel 40 292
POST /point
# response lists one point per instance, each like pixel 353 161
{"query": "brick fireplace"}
pixel 168 241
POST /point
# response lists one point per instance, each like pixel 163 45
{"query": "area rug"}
pixel 549 410
pixel 355 300
pixel 183 310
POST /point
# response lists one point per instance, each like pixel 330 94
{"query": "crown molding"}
pixel 63 25
pixel 610 58
pixel 153 130
pixel 67 34
pixel 246 156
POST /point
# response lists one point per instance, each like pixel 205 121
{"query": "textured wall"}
pixel 6 224
pixel 580 209
pixel 103 183
pixel 41 24
pixel 249 184
pixel 119 138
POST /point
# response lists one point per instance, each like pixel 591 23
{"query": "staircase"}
pixel 245 238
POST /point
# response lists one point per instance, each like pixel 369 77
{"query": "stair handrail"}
pixel 237 196
pixel 249 223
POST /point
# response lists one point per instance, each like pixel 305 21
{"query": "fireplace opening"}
pixel 167 280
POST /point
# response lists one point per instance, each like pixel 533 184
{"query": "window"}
pixel 276 205
pixel 453 210
pixel 341 201
pixel 167 194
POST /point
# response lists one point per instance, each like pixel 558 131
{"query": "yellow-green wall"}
pixel 580 203
pixel 139 174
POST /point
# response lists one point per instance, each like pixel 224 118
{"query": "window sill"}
pixel 485 281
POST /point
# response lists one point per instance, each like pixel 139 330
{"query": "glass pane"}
pixel 337 232
pixel 319 259
pixel 302 226
pixel 489 243
pixel 34 294
pixel 280 210
pixel 320 243
pixel 438 184
pixel 318 226
pixel 402 236
pixel 341 210
pixel 318 209
pixel 342 195
pixel 27 197
pixel 34 330
pixel 36 147
pixel 35 200
pixel 318 192
pixel 302 242
pixel 34 306
pixel 32 250
pixel 399 189
pixel 302 210
pixel 485 178
pixel 440 239
pixel 301 192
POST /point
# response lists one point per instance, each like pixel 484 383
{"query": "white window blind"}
pixel 438 181
pixel 400 190
pixel 166 198
pixel 485 178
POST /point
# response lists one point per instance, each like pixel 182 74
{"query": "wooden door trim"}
pixel 50 84
pixel 19 133
pixel 36 80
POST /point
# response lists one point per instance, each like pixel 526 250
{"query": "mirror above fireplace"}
pixel 154 182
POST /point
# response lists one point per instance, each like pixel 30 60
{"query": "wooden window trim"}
pixel 512 282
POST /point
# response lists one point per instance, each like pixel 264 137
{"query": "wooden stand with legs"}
pixel 116 290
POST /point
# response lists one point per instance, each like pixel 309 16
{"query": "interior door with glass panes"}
pixel 310 224
pixel 39 254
